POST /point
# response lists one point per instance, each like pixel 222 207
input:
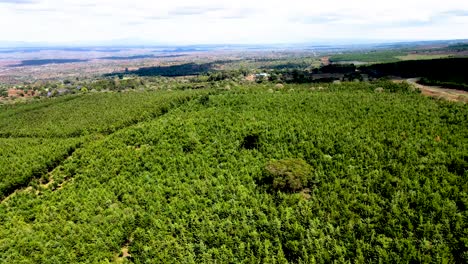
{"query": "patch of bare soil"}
pixel 27 189
pixel 305 193
pixel 124 254
pixel 250 78
pixel 43 183
pixel 51 182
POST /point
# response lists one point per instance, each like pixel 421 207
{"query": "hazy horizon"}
pixel 142 44
pixel 181 22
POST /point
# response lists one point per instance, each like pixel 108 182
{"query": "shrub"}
pixel 290 175
pixel 394 87
pixel 379 90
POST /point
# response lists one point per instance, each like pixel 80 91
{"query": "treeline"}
pixel 453 85
pixel 460 47
pixel 328 73
pixel 216 76
pixel 446 72
pixel 287 73
pixel 46 61
pixel 135 57
pixel 115 84
pixel 288 65
pixel 170 71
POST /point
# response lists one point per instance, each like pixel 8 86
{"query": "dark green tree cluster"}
pixel 226 75
pixel 116 84
pixel 449 72
pixel 3 92
pixel 171 71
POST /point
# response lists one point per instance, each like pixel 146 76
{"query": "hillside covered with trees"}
pixel 260 173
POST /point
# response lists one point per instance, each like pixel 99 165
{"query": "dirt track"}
pixel 452 95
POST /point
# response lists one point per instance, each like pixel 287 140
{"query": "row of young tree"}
pixel 85 114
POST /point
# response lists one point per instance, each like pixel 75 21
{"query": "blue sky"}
pixel 233 22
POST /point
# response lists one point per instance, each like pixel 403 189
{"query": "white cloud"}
pixel 240 21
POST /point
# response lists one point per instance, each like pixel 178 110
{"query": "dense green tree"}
pixel 178 176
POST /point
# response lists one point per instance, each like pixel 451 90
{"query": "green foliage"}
pixel 116 84
pixel 182 187
pixel 289 62
pixel 80 114
pixel 288 174
pixel 24 159
pixel 173 70
pixel 393 87
pixel 445 84
pixel 224 75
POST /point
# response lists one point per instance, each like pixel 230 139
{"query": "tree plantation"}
pixel 323 173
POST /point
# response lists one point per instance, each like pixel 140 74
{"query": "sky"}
pixel 230 22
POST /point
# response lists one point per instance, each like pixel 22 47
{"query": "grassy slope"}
pixel 181 188
pixel 422 56
pixel 371 56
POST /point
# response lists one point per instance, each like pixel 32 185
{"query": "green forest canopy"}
pixel 383 178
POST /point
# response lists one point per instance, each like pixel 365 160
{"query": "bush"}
pixel 394 87
pixel 290 175
pixel 379 90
